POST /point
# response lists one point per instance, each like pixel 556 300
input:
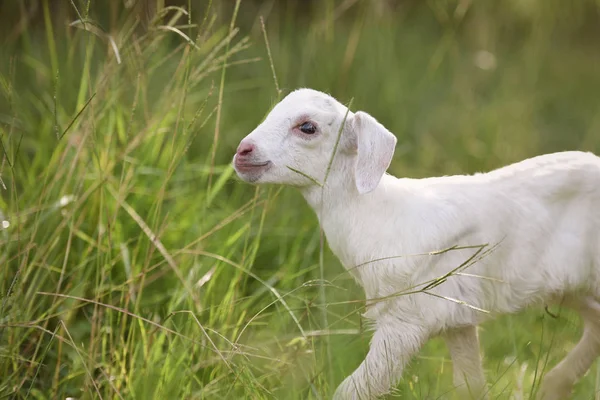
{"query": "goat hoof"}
pixel 554 391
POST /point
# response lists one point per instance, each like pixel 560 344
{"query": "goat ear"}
pixel 375 145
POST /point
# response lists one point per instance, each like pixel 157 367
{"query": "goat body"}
pixel 465 247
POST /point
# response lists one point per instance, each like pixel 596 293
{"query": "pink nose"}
pixel 245 149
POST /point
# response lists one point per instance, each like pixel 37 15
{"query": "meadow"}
pixel 133 263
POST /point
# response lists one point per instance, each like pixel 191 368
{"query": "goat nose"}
pixel 245 148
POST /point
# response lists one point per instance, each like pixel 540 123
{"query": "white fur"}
pixel 540 218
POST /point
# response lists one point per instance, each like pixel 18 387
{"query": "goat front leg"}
pixel 392 347
pixel 469 379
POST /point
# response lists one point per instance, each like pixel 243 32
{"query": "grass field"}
pixel 133 265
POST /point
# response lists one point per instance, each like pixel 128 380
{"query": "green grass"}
pixel 136 266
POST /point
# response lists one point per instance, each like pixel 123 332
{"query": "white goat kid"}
pixel 543 213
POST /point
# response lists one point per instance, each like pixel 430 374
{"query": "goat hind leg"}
pixel 558 382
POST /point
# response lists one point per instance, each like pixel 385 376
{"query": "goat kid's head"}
pixel 295 143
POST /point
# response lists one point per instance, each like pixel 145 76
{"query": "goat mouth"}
pixel 246 167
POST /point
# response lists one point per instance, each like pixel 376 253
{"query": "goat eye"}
pixel 308 127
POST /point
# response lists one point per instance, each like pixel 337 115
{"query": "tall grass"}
pixel 134 265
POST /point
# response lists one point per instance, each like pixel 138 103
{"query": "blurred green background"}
pixel 133 265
